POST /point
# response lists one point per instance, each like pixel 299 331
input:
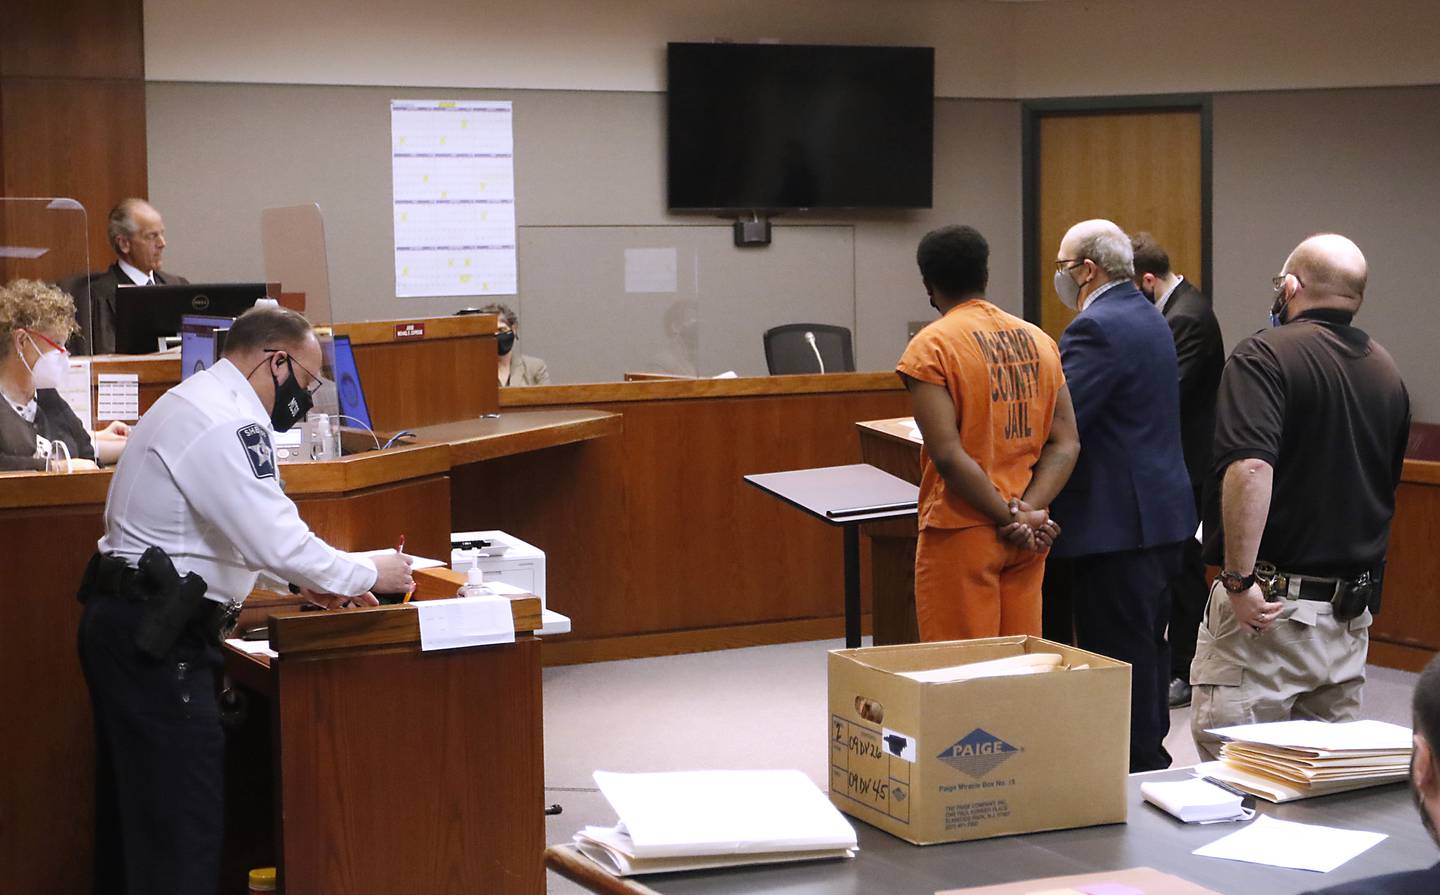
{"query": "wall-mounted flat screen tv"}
pixel 777 127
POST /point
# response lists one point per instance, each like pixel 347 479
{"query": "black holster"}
pixel 1354 596
pixel 171 603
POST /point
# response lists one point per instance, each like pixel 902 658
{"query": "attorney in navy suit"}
pixel 1424 785
pixel 1127 509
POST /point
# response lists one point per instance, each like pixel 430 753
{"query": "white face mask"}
pixel 50 369
pixel 1067 289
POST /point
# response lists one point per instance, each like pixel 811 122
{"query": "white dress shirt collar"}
pixel 136 275
pixel 1160 302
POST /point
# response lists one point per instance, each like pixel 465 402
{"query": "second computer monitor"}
pixel 348 387
pixel 202 341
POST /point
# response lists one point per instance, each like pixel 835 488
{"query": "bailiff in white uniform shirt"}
pixel 198 479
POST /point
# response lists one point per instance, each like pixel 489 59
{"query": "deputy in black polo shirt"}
pixel 1310 434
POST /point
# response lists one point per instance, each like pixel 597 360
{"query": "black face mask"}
pixel 504 342
pixel 291 401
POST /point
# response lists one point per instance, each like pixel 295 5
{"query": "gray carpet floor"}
pixel 762 707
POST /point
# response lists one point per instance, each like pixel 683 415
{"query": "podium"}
pixel 394 770
pixel 887 445
pixel 844 496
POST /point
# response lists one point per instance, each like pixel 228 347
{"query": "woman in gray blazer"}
pixel 38 430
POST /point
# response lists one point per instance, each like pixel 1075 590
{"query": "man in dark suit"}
pixel 1201 355
pixel 1424 785
pixel 1127 507
pixel 137 234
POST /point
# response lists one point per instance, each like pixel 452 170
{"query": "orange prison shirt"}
pixel 1004 376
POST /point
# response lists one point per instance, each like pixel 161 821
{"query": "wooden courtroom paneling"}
pixel 83 139
pixel 158 373
pixel 518 432
pixel 1141 169
pixel 376 517
pixel 446 374
pixel 46 786
pixel 655 531
pixel 355 472
pixel 886 444
pixel 426 774
pixel 74 39
pixel 1407 631
pixel 72 107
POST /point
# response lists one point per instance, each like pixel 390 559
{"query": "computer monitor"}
pixel 348 389
pixel 201 342
pixel 144 315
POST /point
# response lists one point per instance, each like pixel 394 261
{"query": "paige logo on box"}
pixel 977 753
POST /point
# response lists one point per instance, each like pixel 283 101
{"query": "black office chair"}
pixel 809 348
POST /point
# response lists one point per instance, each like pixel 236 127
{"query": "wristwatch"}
pixel 1236 583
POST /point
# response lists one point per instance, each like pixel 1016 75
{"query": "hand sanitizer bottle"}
pixel 474 583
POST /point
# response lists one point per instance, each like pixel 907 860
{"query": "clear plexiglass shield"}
pixel 47 239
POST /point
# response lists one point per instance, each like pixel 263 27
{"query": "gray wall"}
pixel 1359 162
pixel 589 183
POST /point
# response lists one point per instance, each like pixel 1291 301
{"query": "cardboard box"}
pixel 942 762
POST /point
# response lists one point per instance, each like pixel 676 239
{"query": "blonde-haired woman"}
pixel 38 430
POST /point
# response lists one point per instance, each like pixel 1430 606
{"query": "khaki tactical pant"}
pixel 1308 665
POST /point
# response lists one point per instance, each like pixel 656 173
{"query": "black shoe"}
pixel 1179 693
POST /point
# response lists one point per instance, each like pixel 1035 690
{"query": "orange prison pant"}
pixel 969 583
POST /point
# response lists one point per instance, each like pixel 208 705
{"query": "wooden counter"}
pixel 887 444
pixel 425 370
pixel 518 432
pixel 415 372
pixel 52 523
pixel 429 777
pixel 156 372
pixel 1406 633
pixel 653 542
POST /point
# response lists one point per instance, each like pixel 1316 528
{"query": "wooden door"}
pixel 1141 169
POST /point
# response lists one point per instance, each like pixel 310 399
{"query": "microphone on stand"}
pixel 810 340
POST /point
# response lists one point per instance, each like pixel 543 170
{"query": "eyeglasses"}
pixel 1067 263
pixel 1278 283
pixel 316 381
pixel 32 333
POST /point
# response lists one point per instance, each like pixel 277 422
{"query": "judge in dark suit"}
pixel 1424 785
pixel 1127 507
pixel 137 234
pixel 1201 355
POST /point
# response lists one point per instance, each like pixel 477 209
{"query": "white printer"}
pixel 504 557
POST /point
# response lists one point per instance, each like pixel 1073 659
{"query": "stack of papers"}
pixel 696 820
pixel 1288 760
pixel 1195 801
pixel 1028 663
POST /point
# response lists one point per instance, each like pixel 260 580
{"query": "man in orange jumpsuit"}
pixel 990 400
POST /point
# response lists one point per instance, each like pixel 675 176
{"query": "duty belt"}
pixel 1279 585
pixel 118 579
